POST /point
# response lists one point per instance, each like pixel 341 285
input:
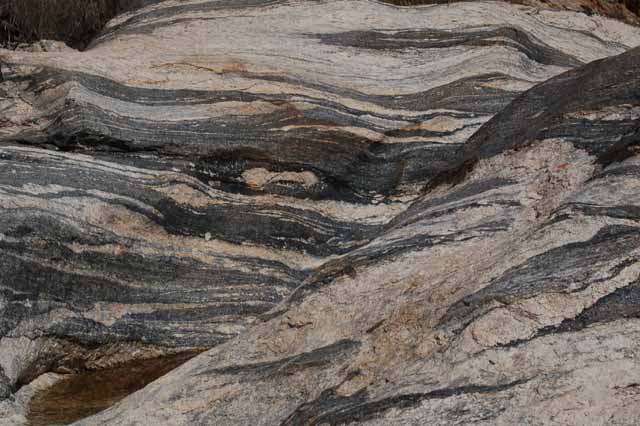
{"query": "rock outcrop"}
pixel 625 10
pixel 368 214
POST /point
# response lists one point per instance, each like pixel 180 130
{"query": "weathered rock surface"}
pixel 354 204
pixel 625 10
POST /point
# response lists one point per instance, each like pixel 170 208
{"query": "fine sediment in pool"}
pixel 84 394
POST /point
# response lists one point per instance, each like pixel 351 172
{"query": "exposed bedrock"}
pixel 365 104
pixel 507 298
pixel 369 214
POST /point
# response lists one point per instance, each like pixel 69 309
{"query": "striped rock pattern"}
pixel 509 297
pixel 361 190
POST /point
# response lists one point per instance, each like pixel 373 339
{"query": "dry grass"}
pixel 72 21
pixel 633 6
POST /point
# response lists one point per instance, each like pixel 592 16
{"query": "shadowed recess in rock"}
pixel 81 395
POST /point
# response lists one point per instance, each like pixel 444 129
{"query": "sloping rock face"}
pixel 625 10
pixel 354 204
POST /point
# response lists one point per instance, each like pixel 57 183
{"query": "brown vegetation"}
pixel 75 22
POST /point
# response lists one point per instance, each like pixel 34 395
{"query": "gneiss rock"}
pixel 250 176
pixel 509 298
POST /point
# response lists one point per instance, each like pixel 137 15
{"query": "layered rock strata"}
pixel 368 212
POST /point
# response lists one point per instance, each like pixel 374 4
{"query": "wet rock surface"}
pixel 78 396
pixel 367 214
